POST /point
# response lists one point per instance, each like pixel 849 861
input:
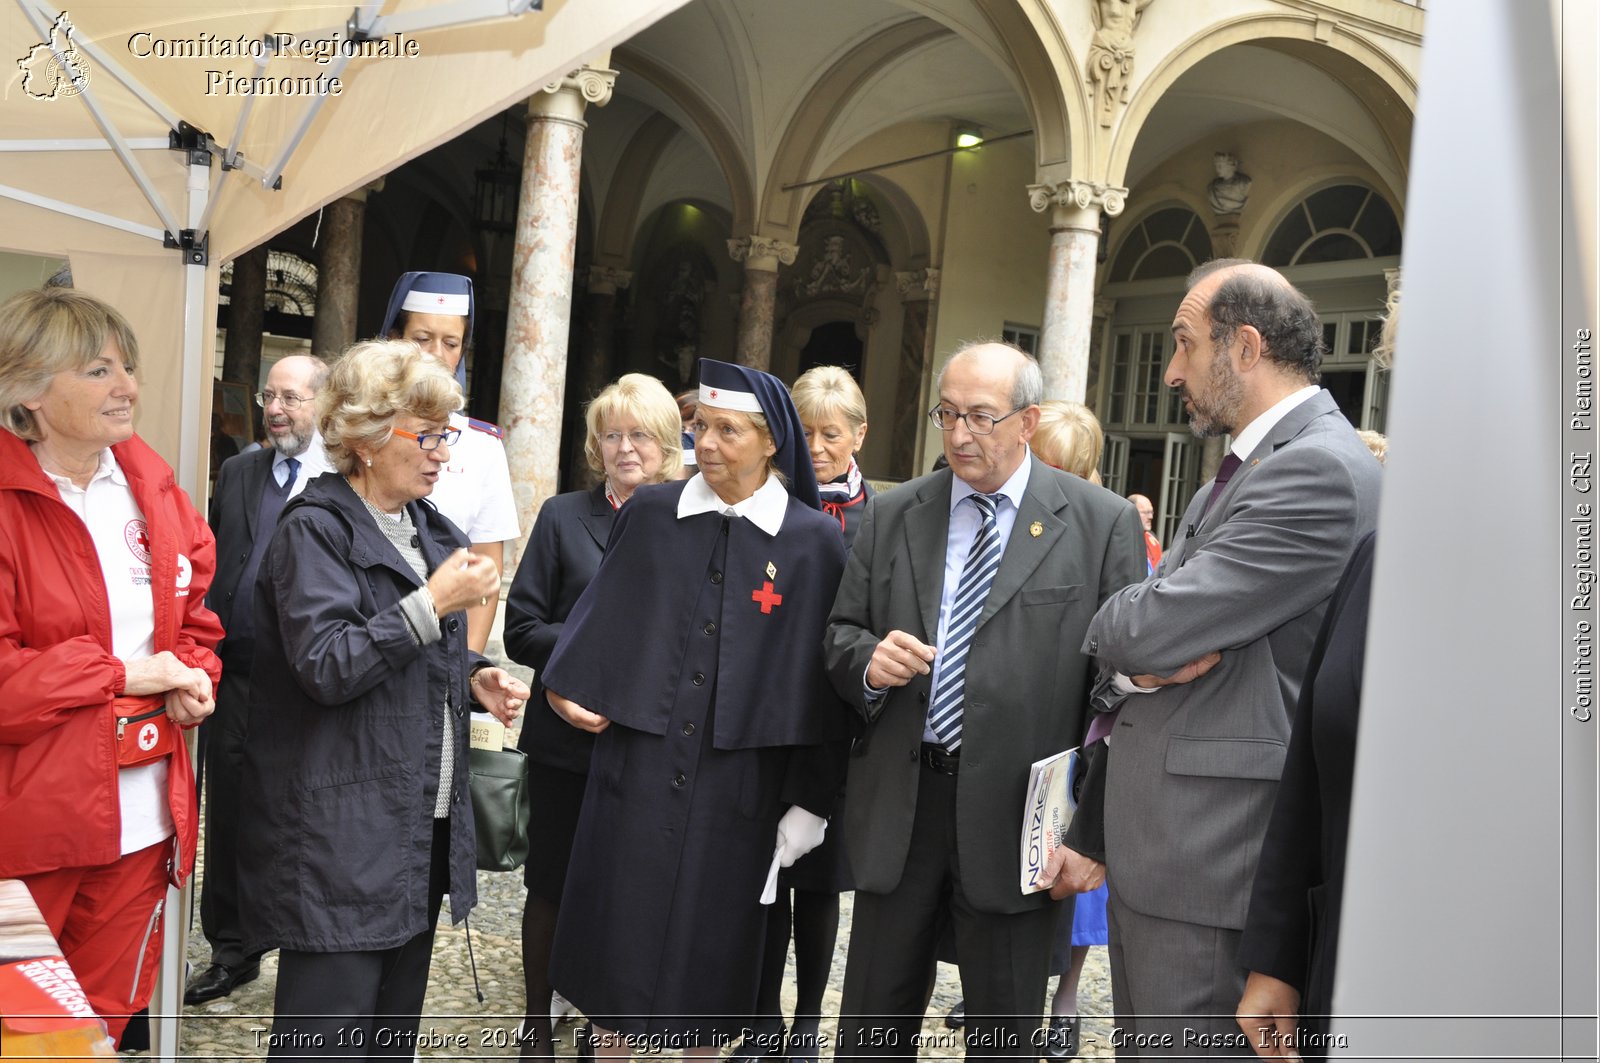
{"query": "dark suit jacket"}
pixel 234 503
pixel 1292 931
pixel 1026 680
pixel 569 538
pixel 1191 768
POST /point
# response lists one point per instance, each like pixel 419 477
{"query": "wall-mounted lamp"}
pixel 967 136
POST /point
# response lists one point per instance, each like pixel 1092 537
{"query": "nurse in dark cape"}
pixel 695 656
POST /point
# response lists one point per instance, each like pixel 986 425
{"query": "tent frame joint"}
pixel 195 245
pixel 196 143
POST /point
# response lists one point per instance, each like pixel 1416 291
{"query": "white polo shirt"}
pixel 121 540
pixel 474 488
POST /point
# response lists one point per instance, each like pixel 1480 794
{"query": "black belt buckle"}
pixel 940 760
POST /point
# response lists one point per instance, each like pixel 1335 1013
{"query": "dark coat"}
pixel 563 553
pixel 721 719
pixel 1292 930
pixel 346 722
pixel 234 504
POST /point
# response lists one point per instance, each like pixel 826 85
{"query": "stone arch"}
pixel 781 209
pixel 1391 101
pixel 1035 53
pixel 718 137
pixel 918 247
pixel 1254 240
pixel 619 221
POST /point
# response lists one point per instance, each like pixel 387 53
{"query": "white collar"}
pixel 313 457
pixel 1013 488
pixel 108 467
pixel 765 509
pixel 1254 432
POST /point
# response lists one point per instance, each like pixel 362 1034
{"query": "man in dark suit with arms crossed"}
pixel 955 636
pixel 1202 662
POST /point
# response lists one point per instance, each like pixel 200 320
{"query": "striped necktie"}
pixel 983 561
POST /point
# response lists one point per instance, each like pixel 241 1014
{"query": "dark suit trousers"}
pixel 1175 986
pixel 358 1004
pixel 223 750
pixel 894 939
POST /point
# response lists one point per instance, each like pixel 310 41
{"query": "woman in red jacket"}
pixel 105 645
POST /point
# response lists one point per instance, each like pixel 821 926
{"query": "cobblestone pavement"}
pixel 456 1025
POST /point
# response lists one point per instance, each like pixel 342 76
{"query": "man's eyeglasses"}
pixel 288 400
pixel 431 440
pixel 979 424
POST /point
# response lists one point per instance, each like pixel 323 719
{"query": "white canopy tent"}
pixel 146 143
pixel 140 144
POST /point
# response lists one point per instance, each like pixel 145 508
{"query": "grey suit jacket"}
pixel 1192 769
pixel 1026 682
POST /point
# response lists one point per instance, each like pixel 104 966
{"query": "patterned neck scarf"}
pixel 843 492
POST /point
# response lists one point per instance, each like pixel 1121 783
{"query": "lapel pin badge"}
pixel 772 570
pixel 1036 529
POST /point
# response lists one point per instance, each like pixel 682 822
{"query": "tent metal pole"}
pixel 114 138
pixel 102 60
pixel 166 1008
pixel 82 144
pixel 74 210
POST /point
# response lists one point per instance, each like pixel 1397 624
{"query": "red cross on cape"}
pixel 766 597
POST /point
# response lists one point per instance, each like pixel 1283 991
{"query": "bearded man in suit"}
pixel 251 491
pixel 1201 664
pixel 955 636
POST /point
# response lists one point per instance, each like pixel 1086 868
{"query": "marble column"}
pixel 759 300
pixel 919 291
pixel 338 275
pixel 1075 208
pixel 601 319
pixel 534 379
pixel 247 305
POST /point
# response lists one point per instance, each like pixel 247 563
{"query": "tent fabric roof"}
pixel 149 65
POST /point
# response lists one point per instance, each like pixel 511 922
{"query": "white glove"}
pixel 799 832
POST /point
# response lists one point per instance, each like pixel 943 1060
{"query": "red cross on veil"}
pixel 765 596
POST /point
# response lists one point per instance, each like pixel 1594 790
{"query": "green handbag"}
pixel 498 779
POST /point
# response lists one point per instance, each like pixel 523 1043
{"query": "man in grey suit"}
pixel 251 491
pixel 1202 662
pixel 955 636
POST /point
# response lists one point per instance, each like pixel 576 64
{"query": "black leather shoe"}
pixel 958 1016
pixel 1061 1041
pixel 217 981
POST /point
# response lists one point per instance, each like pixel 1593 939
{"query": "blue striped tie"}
pixel 983 561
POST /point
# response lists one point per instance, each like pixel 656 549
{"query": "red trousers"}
pixel 107 920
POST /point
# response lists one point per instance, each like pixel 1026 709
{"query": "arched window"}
pixel 1334 225
pixel 1166 243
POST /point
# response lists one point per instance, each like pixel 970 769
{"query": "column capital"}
pixel 565 98
pixel 762 252
pixel 1083 195
pixel 606 280
pixel 1104 307
pixel 918 284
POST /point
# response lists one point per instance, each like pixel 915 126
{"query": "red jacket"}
pixel 58 764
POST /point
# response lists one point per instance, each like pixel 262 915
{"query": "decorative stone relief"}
pixel 608 280
pixel 594 84
pixel 917 284
pixel 762 252
pixel 1081 194
pixel 1110 59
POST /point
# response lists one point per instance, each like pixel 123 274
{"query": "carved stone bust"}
pixel 1230 189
